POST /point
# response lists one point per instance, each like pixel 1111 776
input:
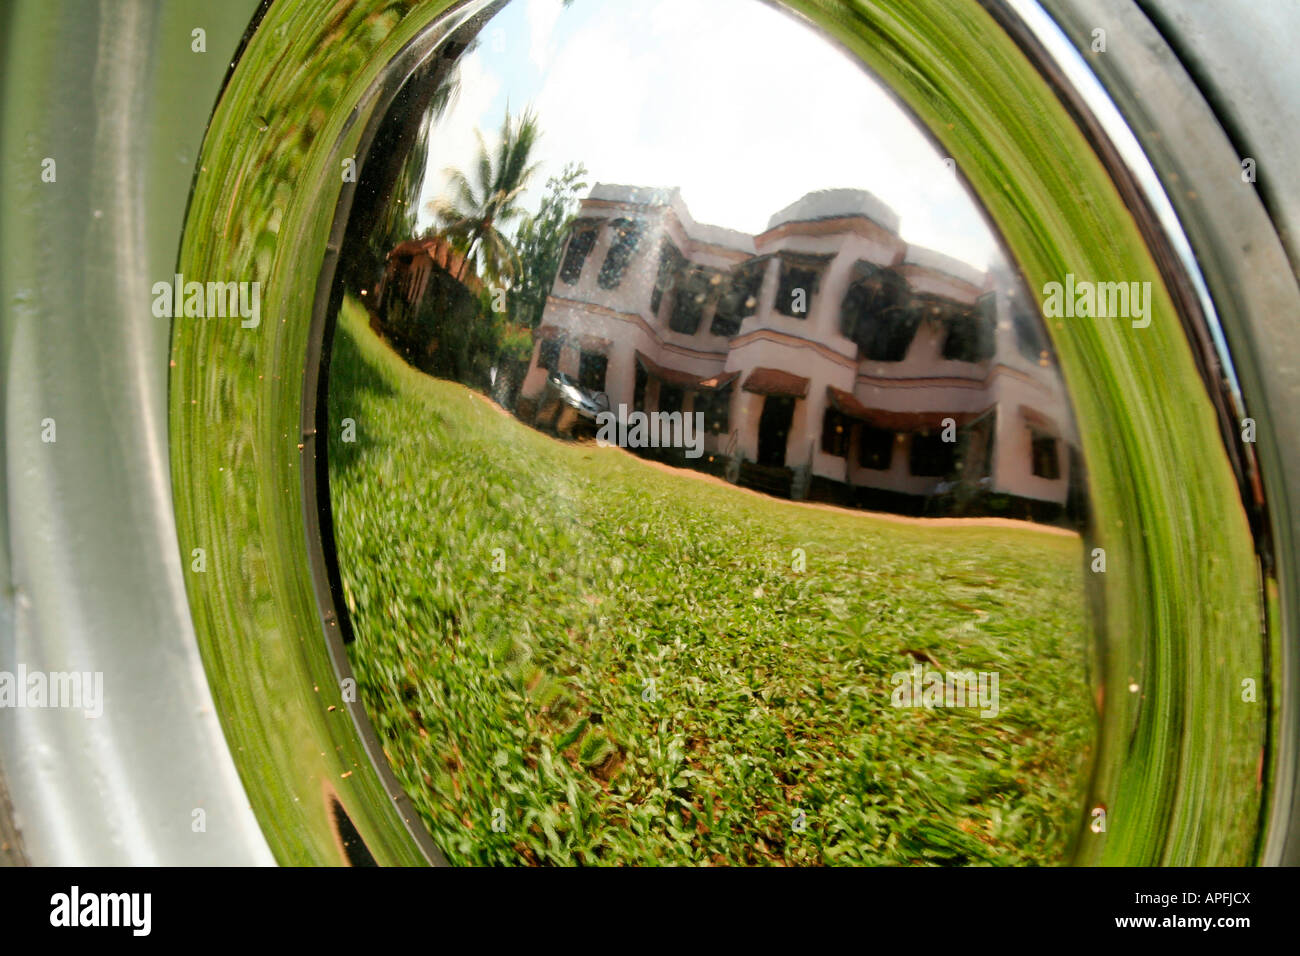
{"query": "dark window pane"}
pixel 1030 339
pixel 890 335
pixel 716 406
pixel 693 292
pixel 549 356
pixel 575 256
pixel 724 324
pixel 932 456
pixel 795 293
pixel 626 236
pixel 877 315
pixel 970 337
pixel 638 388
pixel 855 310
pixel 835 433
pixel 749 286
pixel 591 370
pixel 875 448
pixel 1046 462
pixel 739 298
pixel 670 398
pixel 671 264
pixel 727 317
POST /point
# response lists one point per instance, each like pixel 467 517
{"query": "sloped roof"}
pixel 687 380
pixel 775 381
pixel 443 255
pixel 836 204
pixel 911 421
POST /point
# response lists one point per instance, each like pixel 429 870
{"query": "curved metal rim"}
pixel 315 422
pixel 90 578
pixel 827 14
pixel 1257 298
pixel 1144 193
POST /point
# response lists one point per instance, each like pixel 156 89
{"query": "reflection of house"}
pixel 425 288
pixel 826 355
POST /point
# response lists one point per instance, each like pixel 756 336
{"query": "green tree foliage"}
pixel 484 201
pixel 539 243
pixel 387 196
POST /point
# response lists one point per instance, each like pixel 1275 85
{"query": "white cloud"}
pixel 452 142
pixel 743 107
pixel 542 16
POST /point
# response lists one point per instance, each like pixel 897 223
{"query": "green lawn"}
pixel 513 595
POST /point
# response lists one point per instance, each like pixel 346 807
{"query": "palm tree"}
pixel 475 214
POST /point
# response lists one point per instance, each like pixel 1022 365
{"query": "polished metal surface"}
pixel 1175 764
pixel 1240 231
pixel 271 172
pixel 88 550
pixel 441 619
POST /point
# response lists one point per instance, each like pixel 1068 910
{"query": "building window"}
pixel 739 298
pixel 932 456
pixel 977 447
pixel 581 242
pixel 723 323
pixel 877 315
pixel 1030 339
pixel 859 305
pixel 549 355
pixel 693 293
pixel 970 337
pixel 591 370
pixel 638 388
pixel 835 433
pixel 670 398
pixel 872 290
pixel 891 335
pixel 798 285
pixel 875 448
pixel 671 264
pixel 716 405
pixel 626 236
pixel 1046 462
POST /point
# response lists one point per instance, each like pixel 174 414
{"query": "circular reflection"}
pixel 704 487
pixel 1184 687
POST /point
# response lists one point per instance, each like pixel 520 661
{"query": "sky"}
pixel 742 106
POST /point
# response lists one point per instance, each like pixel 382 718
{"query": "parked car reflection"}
pixel 568 408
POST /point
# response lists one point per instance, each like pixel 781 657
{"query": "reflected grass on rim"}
pixel 264 197
pixel 1179 757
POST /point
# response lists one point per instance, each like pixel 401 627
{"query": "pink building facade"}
pixel 830 359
